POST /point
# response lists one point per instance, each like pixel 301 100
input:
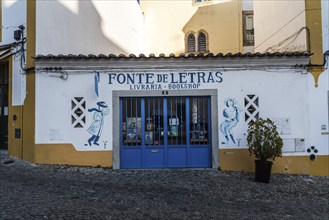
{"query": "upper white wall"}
pixel 276 20
pixel 319 97
pixel 89 27
pixel 247 5
pixel 278 99
pixel 325 24
pixel 14 15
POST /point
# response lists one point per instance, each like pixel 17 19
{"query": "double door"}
pixel 165 132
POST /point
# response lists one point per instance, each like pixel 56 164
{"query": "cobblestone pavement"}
pixel 30 191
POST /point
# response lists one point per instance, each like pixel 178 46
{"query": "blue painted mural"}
pixel 231 114
pixel 96 126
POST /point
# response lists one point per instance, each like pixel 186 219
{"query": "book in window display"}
pixel 199 135
pixel 174 130
pixel 149 137
pixel 173 127
pixel 133 128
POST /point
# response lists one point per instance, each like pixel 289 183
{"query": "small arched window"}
pixel 202 42
pixel 191 43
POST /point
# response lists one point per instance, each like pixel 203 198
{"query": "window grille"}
pixel 248 28
pixel 251 103
pixel 191 43
pixel 78 109
pixel 202 42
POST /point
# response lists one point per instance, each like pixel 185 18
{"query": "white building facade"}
pixel 82 95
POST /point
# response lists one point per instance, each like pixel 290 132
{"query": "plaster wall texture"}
pixel 276 20
pixel 278 98
pixel 14 15
pixel 319 97
pixel 222 23
pixel 318 105
pixel 325 24
pixel 89 27
pixel 168 22
pixel 164 21
pixel 247 5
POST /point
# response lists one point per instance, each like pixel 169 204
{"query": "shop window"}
pixel 159 132
pixel 158 121
pixel 78 109
pixel 199 115
pixel 251 104
pixel 202 42
pixel 131 121
pixel 248 28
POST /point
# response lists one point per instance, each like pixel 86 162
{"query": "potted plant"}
pixel 266 145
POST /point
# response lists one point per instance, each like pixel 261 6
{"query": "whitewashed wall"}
pixel 14 15
pixel 318 105
pixel 319 97
pixel 89 27
pixel 279 98
pixel 247 5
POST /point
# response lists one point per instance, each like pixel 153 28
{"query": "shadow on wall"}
pixel 9 25
pixel 222 24
pixel 72 30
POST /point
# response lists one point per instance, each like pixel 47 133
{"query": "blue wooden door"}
pixel 171 132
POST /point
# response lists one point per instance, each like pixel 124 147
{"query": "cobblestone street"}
pixel 29 191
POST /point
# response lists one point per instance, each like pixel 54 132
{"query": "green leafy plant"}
pixel 263 140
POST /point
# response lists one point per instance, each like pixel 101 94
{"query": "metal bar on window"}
pixel 209 121
pixel 159 121
pixel 142 122
pixel 126 116
pixel 181 122
pixel 121 122
pixel 176 122
pixel 165 121
pixel 187 125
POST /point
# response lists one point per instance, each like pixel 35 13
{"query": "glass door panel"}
pixel 199 115
pixel 176 121
pixel 131 122
pixel 154 126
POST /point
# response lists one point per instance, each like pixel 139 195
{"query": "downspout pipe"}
pixel 325 55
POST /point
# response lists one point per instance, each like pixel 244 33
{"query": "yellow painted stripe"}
pixel 28 130
pixel 239 160
pixel 66 154
pixel 314 24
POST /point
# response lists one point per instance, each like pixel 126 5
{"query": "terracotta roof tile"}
pixel 162 55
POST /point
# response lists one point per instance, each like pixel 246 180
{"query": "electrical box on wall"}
pixel 17 133
pixel 17 34
pixel 293 145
